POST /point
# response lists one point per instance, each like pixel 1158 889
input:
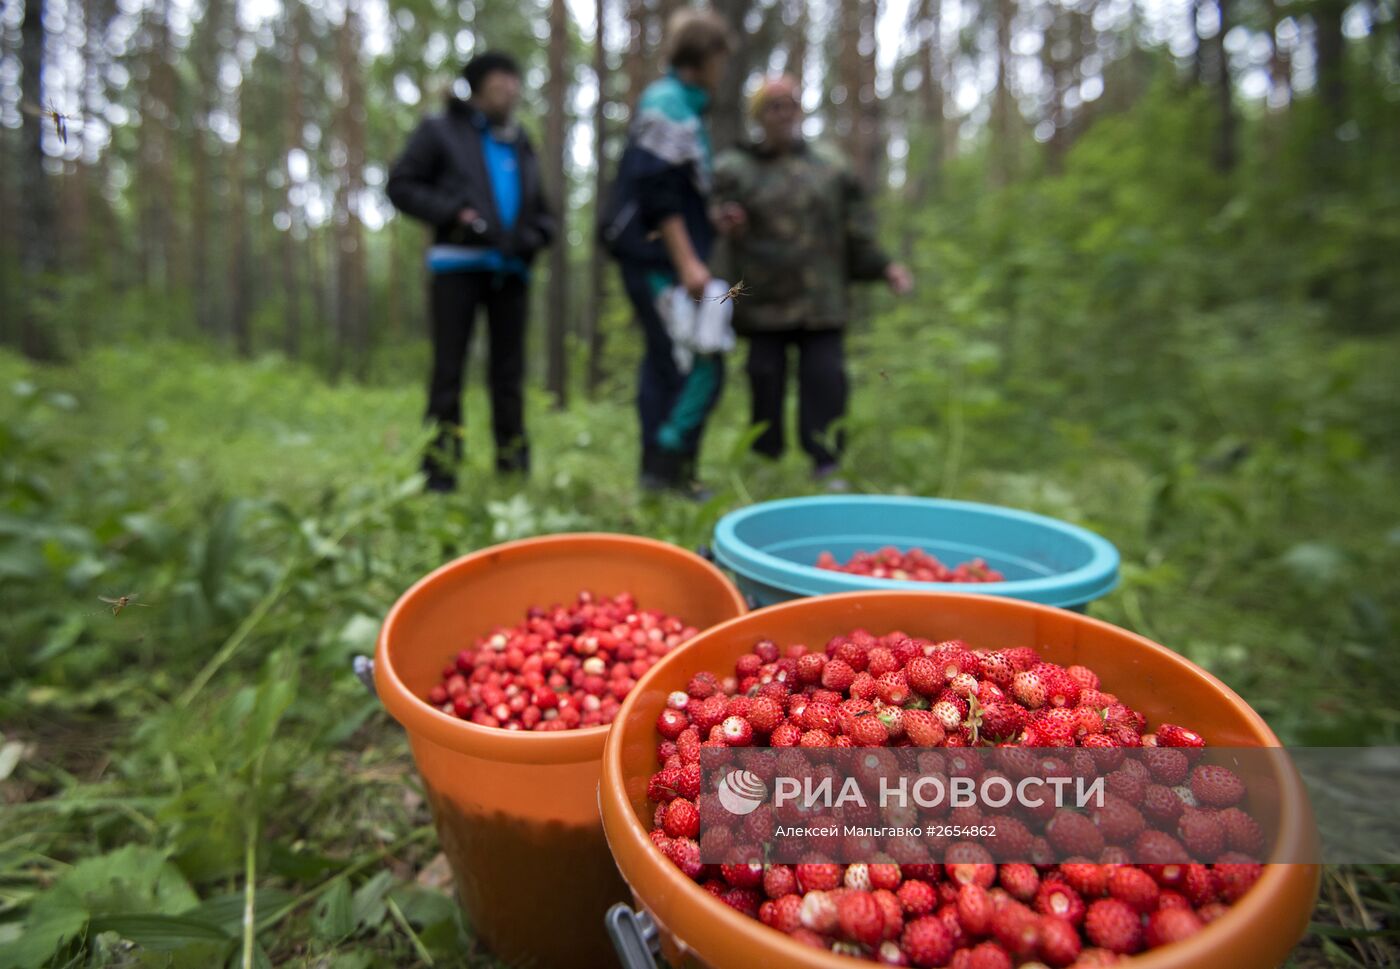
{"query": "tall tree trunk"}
pixel 1331 56
pixel 1198 52
pixel 928 27
pixel 637 63
pixel 556 95
pixel 1280 61
pixel 38 249
pixel 597 263
pixel 799 23
pixel 727 118
pixel 1004 111
pixel 240 282
pixel 352 328
pixel 1225 93
pixel 291 141
pixel 848 72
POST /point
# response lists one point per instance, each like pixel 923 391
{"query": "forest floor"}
pixel 151 761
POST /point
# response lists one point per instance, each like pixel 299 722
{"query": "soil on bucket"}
pixel 501 861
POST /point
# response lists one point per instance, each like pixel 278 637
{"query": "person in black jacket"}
pixel 472 175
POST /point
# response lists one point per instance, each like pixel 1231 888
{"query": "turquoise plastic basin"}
pixel 772 548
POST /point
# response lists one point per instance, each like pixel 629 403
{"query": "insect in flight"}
pixel 121 602
pixel 51 113
pixel 735 291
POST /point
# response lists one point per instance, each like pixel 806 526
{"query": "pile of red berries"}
pixel 559 668
pixel 967 911
pixel 915 565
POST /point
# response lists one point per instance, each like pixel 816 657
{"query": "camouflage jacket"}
pixel 810 232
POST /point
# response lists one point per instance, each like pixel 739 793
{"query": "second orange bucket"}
pixel 516 809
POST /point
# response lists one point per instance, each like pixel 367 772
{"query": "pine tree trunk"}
pixel 797 39
pixel 638 61
pixel 556 94
pixel 727 117
pixel 597 276
pixel 38 248
pixel 1225 94
pixel 291 289
pixel 1003 104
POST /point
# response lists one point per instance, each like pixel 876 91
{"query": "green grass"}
pixel 209 750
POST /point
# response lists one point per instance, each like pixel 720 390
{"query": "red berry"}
pixel 1059 942
pixel 1216 786
pixel 1058 899
pixel 917 897
pixel 1113 925
pixel 1134 887
pixel 737 731
pixel 1171 925
pixel 682 819
pixel 1170 735
pixel 927 942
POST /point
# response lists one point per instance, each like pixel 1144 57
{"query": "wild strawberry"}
pixel 1202 834
pixel 947 713
pixel 1119 822
pixel 1085 677
pixel 1061 690
pixel 785 734
pixel 893 688
pixel 815 738
pixel 1198 885
pixel 685 855
pixel 891 910
pixel 864 687
pixel 817 876
pixel 1020 880
pixel 917 897
pixel 819 912
pixel 923 676
pixel 1161 806
pixel 1134 887
pixel 860 918
pixel 967 863
pixel 702 684
pixel 987 955
pixel 746 875
pixel 927 942
pixel 1234 878
pixel 884 875
pixel 1216 786
pixel 1017 928
pixel 765 714
pixel 997 668
pixel 737 732
pixel 682 819
pixel 974 909
pixel 810 667
pixel 1171 925
pixel 1170 735
pixel 1129 784
pixel 1112 925
pixel 1242 832
pixel 1074 834
pixel 1029 688
pixel 857 877
pixel 1002 721
pixel 880 660
pixel 890 954
pixel 670 723
pixel 1167 765
pixel 893 719
pixel 1056 898
pixel 820 716
pixel 1159 848
pixel 664 784
pixel 923 729
pixel 706 713
pixel 1059 942
pixel 1089 880
pixel 787 913
pixel 779 880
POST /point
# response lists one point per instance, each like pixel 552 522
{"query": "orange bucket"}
pixel 697 929
pixel 516 810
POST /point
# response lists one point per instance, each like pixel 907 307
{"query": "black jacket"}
pixel 442 171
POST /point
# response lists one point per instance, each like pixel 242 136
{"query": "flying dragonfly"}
pixel 51 113
pixel 734 292
pixel 121 602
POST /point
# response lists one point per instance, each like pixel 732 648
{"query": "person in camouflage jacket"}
pixel 798 230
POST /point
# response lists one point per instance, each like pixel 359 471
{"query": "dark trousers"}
pixel 821 390
pixel 660 386
pixel 454 298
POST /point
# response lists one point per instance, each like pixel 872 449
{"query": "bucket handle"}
pixel 634 936
pixel 364 672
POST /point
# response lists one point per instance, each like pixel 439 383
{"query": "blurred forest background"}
pixel 1155 246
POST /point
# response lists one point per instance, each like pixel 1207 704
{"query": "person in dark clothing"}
pixel 471 175
pixel 798 231
pixel 657 226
